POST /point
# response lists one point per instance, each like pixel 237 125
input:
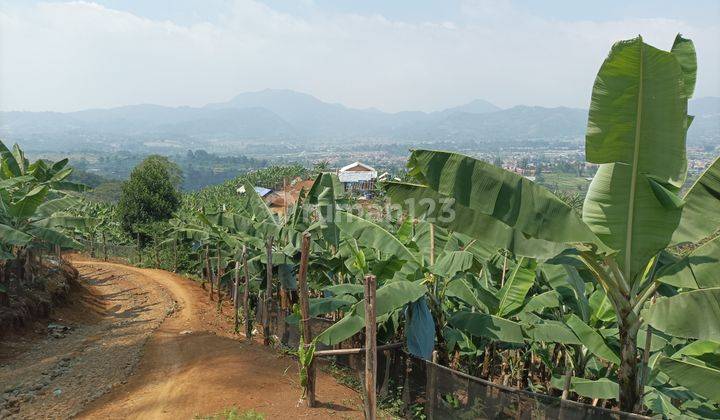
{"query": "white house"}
pixel 357 177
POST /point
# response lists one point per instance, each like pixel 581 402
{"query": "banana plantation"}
pixel 613 305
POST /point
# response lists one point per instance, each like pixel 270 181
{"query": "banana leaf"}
pixel 551 332
pixel 28 204
pixel 697 270
pixel 636 131
pixel 701 214
pixel 602 388
pixel 591 339
pixel 370 235
pixel 691 314
pixel 388 298
pixel 451 263
pixel 704 350
pixel 488 326
pixel 518 283
pixel 475 297
pixel 12 236
pixel 700 379
pixel 444 211
pixel 506 196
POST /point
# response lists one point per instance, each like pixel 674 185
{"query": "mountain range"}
pixel 273 115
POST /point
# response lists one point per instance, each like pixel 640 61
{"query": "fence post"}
pixel 209 269
pixel 268 293
pixel 370 349
pixel 138 249
pixel 305 313
pixel 104 246
pixel 236 304
pixel 431 388
pixel 220 272
pixel 246 296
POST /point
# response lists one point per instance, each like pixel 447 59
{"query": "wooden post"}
pixel 209 269
pixel 236 303
pixel 246 297
pixel 370 349
pixel 305 313
pixel 104 246
pixel 431 388
pixel 175 256
pixel 138 249
pixel 219 273
pixel 268 293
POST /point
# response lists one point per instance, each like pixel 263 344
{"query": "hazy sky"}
pixel 392 55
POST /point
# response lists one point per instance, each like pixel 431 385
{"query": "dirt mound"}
pixel 24 303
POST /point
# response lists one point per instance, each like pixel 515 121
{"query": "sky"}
pixel 390 55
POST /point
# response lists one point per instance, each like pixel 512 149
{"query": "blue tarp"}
pixel 420 329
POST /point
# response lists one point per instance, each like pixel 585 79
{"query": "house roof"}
pixel 262 192
pixel 357 167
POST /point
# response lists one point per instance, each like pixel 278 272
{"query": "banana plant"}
pixel 633 211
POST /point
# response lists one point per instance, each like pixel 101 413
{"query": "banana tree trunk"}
pixel 628 371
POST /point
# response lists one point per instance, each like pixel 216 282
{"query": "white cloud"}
pixel 66 56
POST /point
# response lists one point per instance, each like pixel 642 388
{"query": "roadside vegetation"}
pixel 611 300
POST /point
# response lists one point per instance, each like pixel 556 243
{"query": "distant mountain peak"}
pixel 477 106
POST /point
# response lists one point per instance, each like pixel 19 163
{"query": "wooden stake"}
pixel 138 249
pixel 236 303
pixel 431 388
pixel 370 349
pixel 432 244
pixel 219 273
pixel 246 297
pixel 175 256
pixel 209 269
pixel 305 313
pixel 104 246
pixel 268 293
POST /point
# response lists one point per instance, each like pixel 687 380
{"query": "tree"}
pixel 151 193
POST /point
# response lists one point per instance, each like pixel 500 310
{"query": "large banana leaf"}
pixel 11 182
pixel 475 297
pixel 638 113
pixel 701 214
pixel 684 51
pixel 326 192
pixel 636 131
pixel 503 195
pixel 625 210
pixel 705 350
pixel 54 237
pixel 488 326
pixel 371 235
pixel 551 332
pixel 51 207
pixel 388 298
pixel 424 202
pixel 26 206
pixel 592 339
pixel 62 221
pixel 11 236
pixel 698 270
pixel 450 263
pixel 255 206
pixel 538 303
pixel 518 283
pixel 691 314
pixel 694 376
pixel 9 167
pixel 602 388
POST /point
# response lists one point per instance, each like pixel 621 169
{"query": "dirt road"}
pixel 149 344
